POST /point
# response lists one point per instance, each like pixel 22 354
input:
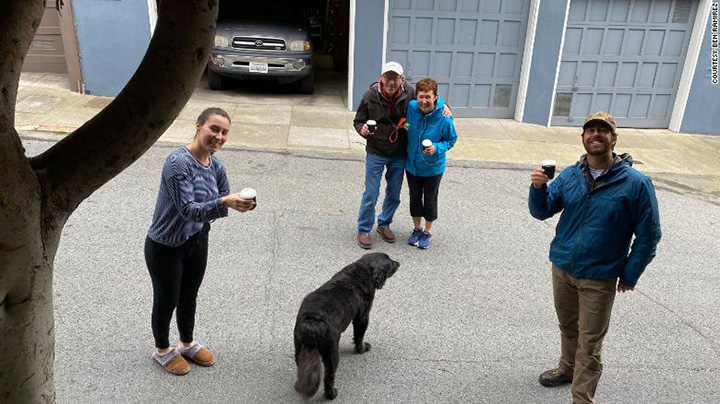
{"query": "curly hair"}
pixel 427 84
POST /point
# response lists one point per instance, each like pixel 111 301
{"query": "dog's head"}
pixel 381 267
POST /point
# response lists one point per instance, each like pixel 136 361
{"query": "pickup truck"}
pixel 280 51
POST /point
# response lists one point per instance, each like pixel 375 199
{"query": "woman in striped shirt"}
pixel 194 191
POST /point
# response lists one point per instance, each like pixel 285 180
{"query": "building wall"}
pixel 367 43
pixel 702 113
pixel 545 61
pixel 113 36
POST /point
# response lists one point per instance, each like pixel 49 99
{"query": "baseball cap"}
pixel 601 117
pixel 392 67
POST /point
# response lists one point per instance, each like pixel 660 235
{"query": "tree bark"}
pixel 38 195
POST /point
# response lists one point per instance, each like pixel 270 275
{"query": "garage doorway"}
pixel 261 57
pixel 54 47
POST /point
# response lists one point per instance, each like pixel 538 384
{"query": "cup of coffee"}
pixel 249 194
pixel 549 167
pixel 372 125
pixel 426 143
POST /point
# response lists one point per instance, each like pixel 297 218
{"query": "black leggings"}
pixel 426 187
pixel 176 274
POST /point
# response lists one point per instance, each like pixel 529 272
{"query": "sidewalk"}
pixel 285 120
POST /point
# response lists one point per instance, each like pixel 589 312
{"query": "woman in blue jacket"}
pixel 424 165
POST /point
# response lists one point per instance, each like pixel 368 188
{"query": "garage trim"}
pixel 559 62
pixel 691 59
pixel 527 60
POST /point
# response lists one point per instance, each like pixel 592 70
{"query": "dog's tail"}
pixel 309 364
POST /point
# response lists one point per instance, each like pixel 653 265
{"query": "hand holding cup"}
pixel 549 167
pixel 428 147
pixel 249 194
pixel 371 127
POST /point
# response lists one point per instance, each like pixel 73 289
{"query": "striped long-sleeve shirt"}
pixel 190 195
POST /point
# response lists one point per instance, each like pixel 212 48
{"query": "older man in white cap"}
pixel 385 102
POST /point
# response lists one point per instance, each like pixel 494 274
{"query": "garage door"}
pixel 473 48
pixel 623 56
pixel 46 53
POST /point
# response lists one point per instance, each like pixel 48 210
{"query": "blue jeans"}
pixel 374 166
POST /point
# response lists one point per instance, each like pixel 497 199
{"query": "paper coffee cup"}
pixel 248 194
pixel 371 124
pixel 549 167
pixel 427 143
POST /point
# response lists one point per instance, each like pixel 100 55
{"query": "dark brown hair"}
pixel 205 115
pixel 427 84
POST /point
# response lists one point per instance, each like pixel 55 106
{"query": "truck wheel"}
pixel 307 85
pixel 215 81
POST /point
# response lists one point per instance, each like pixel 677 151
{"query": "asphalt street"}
pixel 470 320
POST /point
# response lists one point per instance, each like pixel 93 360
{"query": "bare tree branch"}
pixel 154 96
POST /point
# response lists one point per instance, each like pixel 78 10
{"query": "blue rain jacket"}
pixel 593 235
pixel 433 126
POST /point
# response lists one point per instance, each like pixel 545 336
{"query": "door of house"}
pixel 473 48
pixel 625 57
pixel 47 52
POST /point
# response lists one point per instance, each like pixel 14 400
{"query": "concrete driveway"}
pixel 468 321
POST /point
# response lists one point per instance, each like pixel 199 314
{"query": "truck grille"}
pixel 269 44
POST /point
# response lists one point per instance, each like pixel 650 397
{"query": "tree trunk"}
pixel 38 195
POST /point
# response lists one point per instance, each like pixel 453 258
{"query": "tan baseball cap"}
pixel 601 116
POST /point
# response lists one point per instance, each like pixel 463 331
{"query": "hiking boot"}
pixel 424 242
pixel 386 234
pixel 555 377
pixel 364 241
pixel 415 236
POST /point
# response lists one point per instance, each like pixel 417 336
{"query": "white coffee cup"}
pixel 248 194
pixel 372 125
pixel 427 143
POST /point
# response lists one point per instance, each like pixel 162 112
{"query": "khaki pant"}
pixel 583 309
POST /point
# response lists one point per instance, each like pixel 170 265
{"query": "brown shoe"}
pixel 173 362
pixel 386 234
pixel 364 241
pixel 198 354
pixel 555 377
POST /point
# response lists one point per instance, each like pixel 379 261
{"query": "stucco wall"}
pixel 113 36
pixel 367 63
pixel 545 60
pixel 702 113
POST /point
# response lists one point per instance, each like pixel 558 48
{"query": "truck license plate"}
pixel 258 67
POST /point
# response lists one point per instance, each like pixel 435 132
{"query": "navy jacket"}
pixel 599 218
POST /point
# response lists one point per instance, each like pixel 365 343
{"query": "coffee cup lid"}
pixel 370 122
pixel 248 193
pixel 427 142
pixel 547 162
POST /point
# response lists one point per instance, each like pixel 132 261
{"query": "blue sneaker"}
pixel 415 236
pixel 424 241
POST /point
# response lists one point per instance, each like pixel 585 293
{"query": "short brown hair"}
pixel 427 84
pixel 205 115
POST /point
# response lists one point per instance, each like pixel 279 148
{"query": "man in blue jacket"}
pixel 604 201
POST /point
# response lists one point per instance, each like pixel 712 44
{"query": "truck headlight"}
pixel 221 41
pixel 300 46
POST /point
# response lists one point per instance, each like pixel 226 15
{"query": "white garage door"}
pixel 473 48
pixel 623 56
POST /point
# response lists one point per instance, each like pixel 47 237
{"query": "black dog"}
pixel 325 313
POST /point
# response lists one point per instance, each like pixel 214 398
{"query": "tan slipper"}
pixel 173 362
pixel 198 354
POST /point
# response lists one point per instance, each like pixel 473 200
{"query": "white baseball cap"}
pixel 392 67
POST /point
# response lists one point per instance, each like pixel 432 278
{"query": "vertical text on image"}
pixel 714 44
